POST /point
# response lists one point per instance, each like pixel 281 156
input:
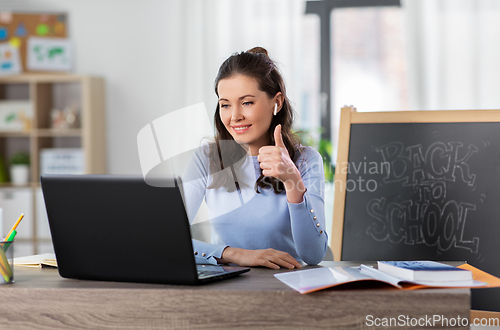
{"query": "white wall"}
pixel 135 46
pixel 158 56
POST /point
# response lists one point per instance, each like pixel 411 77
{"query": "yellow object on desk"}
pixel 5 270
pixel 15 225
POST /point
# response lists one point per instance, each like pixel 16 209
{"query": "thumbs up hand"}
pixel 278 138
pixel 275 160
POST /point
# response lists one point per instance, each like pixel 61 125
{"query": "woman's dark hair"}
pixel 253 63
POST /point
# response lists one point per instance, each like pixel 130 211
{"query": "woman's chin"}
pixel 243 144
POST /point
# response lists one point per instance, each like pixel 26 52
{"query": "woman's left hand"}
pixel 275 161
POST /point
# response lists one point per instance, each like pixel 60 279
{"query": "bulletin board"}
pixel 16 28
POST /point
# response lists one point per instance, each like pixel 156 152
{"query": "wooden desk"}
pixel 41 299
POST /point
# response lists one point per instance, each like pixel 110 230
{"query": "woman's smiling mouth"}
pixel 241 129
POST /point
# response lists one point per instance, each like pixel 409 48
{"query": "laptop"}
pixel 118 228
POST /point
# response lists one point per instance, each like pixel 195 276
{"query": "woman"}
pixel 264 191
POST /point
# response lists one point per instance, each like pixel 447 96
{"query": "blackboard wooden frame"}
pixel 350 116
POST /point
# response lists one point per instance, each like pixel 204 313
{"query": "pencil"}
pixel 4 274
pixel 5 267
pixel 15 225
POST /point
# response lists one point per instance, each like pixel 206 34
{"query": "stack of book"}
pixel 408 275
pixel 424 271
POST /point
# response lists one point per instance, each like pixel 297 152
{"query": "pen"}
pixel 15 226
pixel 9 239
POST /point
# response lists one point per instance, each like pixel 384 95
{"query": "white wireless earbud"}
pixel 275 108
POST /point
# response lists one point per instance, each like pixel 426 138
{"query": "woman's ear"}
pixel 279 99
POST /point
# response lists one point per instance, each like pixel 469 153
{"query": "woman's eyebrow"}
pixel 240 98
pixel 248 95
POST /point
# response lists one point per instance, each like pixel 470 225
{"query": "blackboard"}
pixel 424 190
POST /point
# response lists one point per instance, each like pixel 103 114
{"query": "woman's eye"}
pixel 247 103
pixel 223 106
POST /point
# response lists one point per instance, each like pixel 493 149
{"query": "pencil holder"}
pixel 6 262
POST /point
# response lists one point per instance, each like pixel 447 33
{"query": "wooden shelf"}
pixel 53 132
pixel 14 133
pixel 42 77
pixel 10 185
pixel 47 92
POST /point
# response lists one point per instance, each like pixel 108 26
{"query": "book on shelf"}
pixel 37 261
pixel 62 161
pixel 424 270
pixel 310 280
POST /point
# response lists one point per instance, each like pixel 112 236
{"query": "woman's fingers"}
pixel 272 168
pixel 291 260
pixel 280 259
pixel 269 150
pixel 269 264
pixel 275 162
pixel 266 166
pixel 270 258
pixel 280 262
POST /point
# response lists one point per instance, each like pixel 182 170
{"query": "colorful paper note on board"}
pixel 49 54
pixel 18 27
pixel 42 29
pixel 10 61
pixel 15 42
pixel 5 17
pixel 4 34
pixel 21 30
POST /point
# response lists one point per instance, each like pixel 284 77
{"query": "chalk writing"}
pixel 428 217
pixel 411 165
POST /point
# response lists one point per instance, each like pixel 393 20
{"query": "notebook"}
pixel 118 228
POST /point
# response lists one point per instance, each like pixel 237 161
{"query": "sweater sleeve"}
pixel 308 217
pixel 194 183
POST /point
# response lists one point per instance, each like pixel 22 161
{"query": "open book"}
pixel 310 280
pixel 37 261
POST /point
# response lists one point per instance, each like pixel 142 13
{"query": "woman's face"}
pixel 246 111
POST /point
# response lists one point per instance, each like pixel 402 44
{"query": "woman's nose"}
pixel 236 114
